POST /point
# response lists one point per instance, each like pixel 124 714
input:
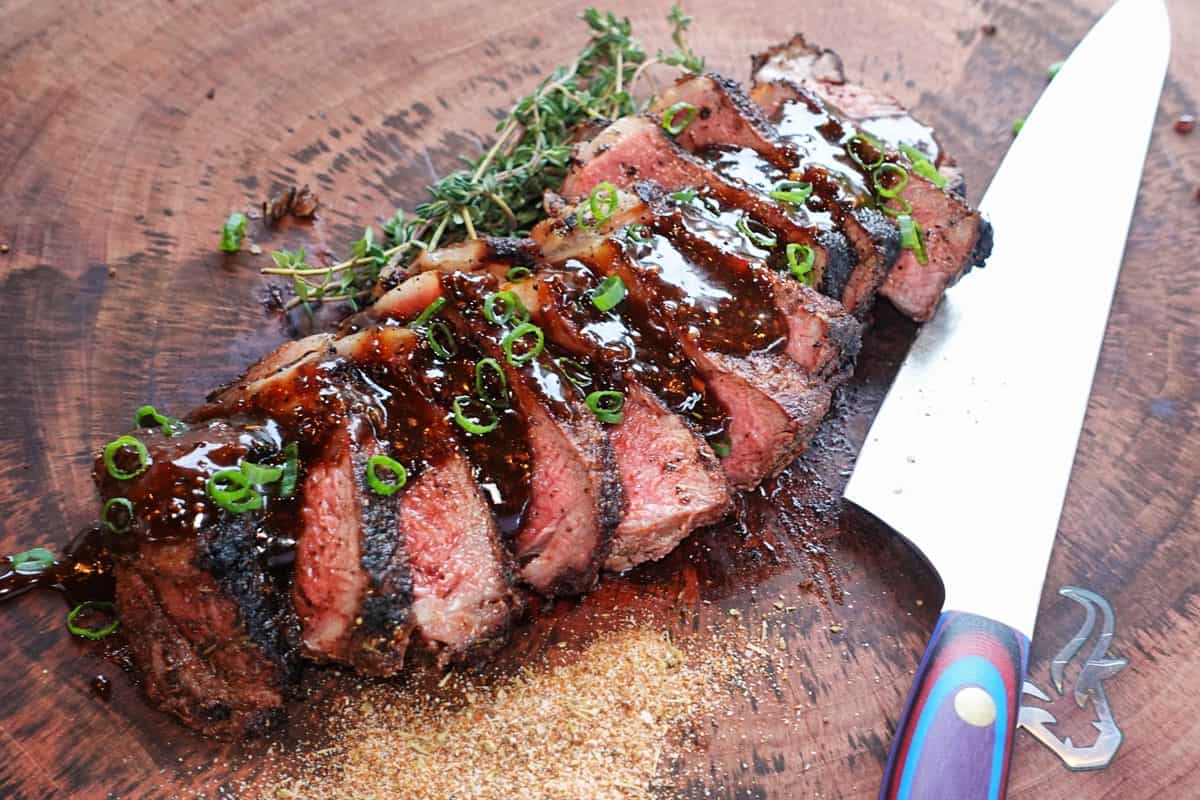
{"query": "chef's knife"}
pixel 970 454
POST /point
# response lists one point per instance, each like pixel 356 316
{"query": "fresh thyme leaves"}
pixel 232 232
pixel 500 193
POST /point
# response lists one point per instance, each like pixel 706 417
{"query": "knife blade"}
pixel 971 452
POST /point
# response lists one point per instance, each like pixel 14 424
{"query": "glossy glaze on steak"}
pixel 513 417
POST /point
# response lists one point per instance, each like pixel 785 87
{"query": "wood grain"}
pixel 129 129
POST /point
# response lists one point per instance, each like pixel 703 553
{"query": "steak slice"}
pixel 547 467
pixel 729 129
pixel 726 325
pixel 670 477
pixel 201 597
pixel 636 148
pixel 363 578
pixel 808 85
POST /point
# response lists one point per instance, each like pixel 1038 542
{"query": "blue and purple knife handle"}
pixel 955 738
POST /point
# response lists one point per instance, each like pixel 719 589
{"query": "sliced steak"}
pixel 730 132
pixel 672 480
pixel 547 466
pixel 202 597
pixel 363 574
pixel 726 325
pixel 634 149
pixel 956 238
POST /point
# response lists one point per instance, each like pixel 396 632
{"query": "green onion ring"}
pixel 609 293
pixel 491 364
pixel 430 311
pixel 793 192
pixel 32 562
pixel 603 201
pixel 684 196
pixel 890 192
pixel 241 498
pixel 606 405
pixel 912 237
pixel 291 469
pixel 862 139
pixel 470 425
pixel 636 232
pixel 721 447
pixel 573 371
pixel 110 453
pixel 522 330
pixel 518 273
pixel 511 308
pixel 88 633
pixel 761 239
pixel 905 207
pixel 800 258
pixel 258 474
pixel 378 484
pixel 115 502
pixel 441 340
pixel 923 166
pixel 168 425
pixel 675 127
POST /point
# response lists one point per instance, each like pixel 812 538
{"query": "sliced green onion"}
pixel 896 174
pixel 378 484
pixel 519 332
pixel 721 447
pixel 923 166
pixel 606 405
pixel 575 372
pixel 469 425
pixel 859 141
pixel 32 562
pixel 756 236
pixel 441 340
pixel 484 372
pixel 291 469
pixel 603 202
pixel 511 306
pixel 231 490
pixel 168 425
pixel 118 525
pixel 430 311
pixel 794 192
pixel 671 121
pixel 905 207
pixel 609 293
pixel 684 196
pixel 88 633
pixel 1017 125
pixel 1052 70
pixel 259 474
pixel 636 232
pixel 518 274
pixel 115 446
pixel 912 237
pixel 800 258
pixel 232 232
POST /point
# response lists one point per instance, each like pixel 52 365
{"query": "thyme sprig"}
pixel 500 192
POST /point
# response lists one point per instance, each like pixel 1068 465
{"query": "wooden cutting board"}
pixel 129 130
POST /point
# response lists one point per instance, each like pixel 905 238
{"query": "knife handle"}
pixel 954 740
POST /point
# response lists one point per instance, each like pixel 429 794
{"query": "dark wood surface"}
pixel 128 130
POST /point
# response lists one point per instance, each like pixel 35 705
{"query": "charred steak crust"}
pixel 228 551
pixel 387 605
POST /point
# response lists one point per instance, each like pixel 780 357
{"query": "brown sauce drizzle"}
pixel 631 338
pixel 502 459
pixel 751 168
pixel 722 307
pixel 81 573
